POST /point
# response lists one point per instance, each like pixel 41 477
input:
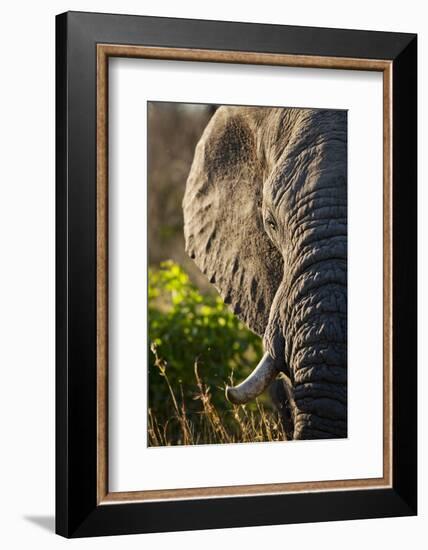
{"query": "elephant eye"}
pixel 271 223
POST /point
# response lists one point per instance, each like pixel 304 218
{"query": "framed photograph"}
pixel 236 274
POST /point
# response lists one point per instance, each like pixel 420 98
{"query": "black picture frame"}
pixel 78 513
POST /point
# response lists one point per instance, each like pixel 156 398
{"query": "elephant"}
pixel 265 219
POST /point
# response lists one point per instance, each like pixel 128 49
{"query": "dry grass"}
pixel 237 424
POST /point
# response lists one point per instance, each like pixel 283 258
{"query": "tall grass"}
pixel 209 425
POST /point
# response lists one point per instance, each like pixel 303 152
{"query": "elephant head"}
pixel 265 218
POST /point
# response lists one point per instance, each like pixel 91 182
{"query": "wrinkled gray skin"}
pixel 265 212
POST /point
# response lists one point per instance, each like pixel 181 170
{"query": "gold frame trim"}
pixel 104 51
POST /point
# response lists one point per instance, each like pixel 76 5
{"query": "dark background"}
pixel 174 130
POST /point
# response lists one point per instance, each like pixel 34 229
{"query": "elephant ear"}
pixel 223 225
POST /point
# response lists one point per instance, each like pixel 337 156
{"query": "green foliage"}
pixel 186 326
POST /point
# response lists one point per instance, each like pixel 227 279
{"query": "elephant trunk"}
pixel 316 343
pixel 306 339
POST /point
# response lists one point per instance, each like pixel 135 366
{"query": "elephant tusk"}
pixel 255 384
